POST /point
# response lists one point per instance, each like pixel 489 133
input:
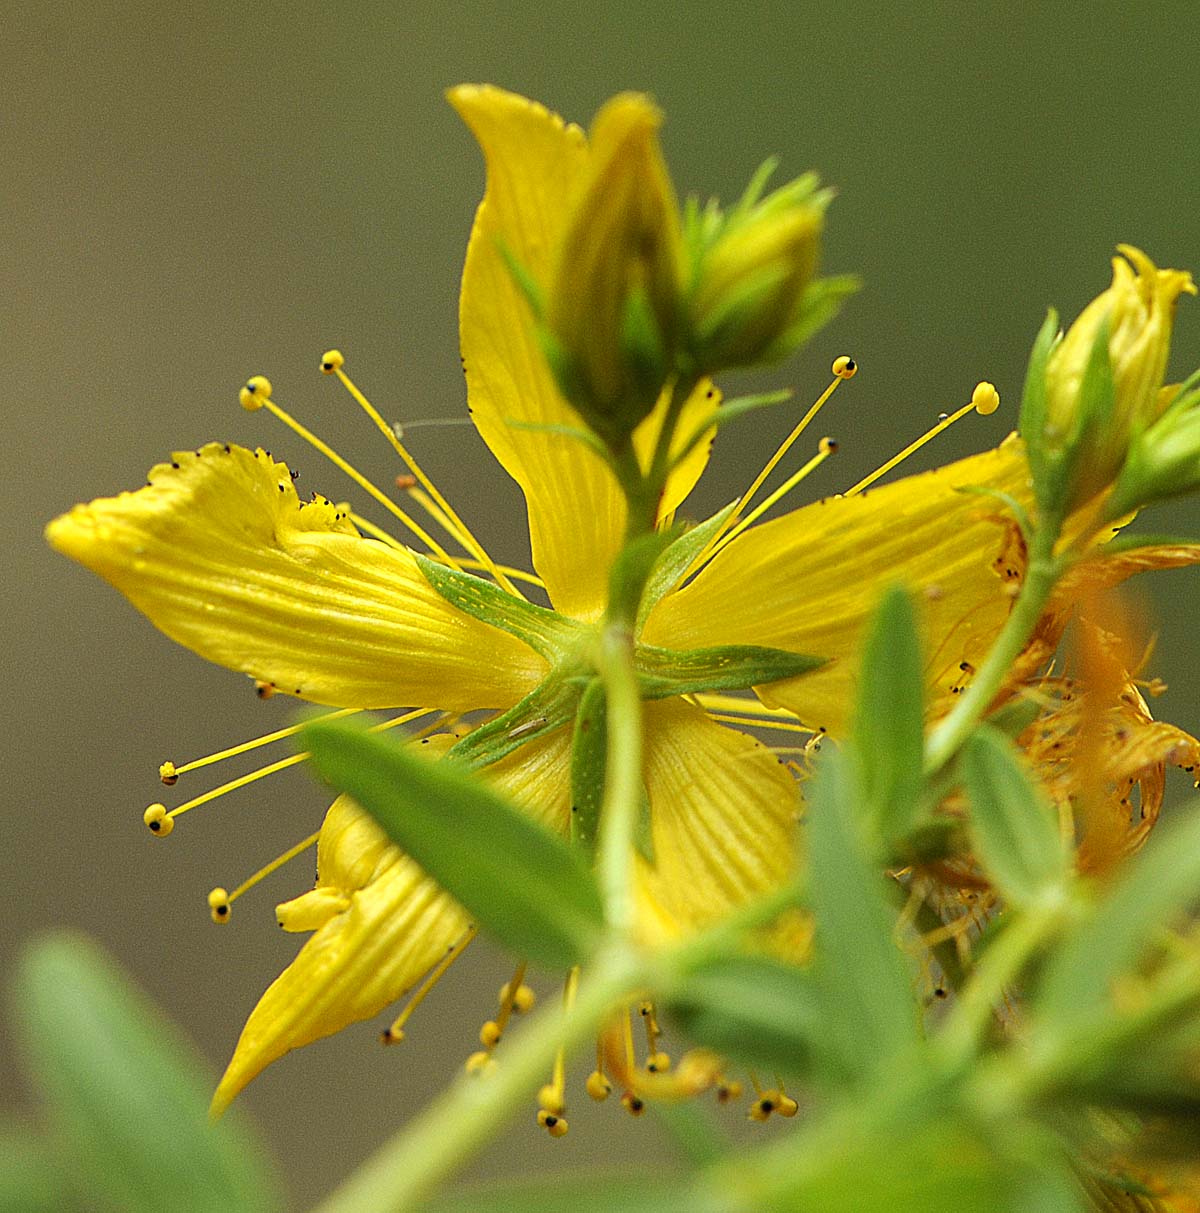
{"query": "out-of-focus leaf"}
pixel 754 1010
pixel 524 884
pixel 1015 830
pixel 30 1182
pixel 889 722
pixel 1156 887
pixel 592 1194
pixel 866 990
pixel 125 1093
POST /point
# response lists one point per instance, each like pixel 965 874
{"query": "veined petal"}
pixel 810 580
pixel 219 553
pixel 723 814
pixel 535 163
pixel 395 924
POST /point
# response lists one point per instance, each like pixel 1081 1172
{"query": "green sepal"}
pixel 889 720
pixel 1031 422
pixel 547 707
pixel 1155 887
pixel 546 632
pixel 589 750
pixel 675 561
pixel 645 357
pixel 821 302
pixel 630 574
pixel 126 1093
pixel 754 1010
pixel 1016 832
pixel 663 673
pixel 516 879
pixel 865 986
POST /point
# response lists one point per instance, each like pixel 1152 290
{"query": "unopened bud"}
pixel 1163 459
pixel 612 310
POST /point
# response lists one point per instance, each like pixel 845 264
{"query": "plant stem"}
pixel 407 1169
pixel 1043 572
pixel 622 775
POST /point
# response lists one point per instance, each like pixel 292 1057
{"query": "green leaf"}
pixel 522 883
pixel 1157 886
pixel 126 1092
pixel 30 1179
pixel 545 631
pixel 866 988
pixel 622 1193
pixel 890 719
pixel 675 561
pixel 755 1010
pixel 1016 831
pixel 589 754
pixel 664 673
pixel 547 707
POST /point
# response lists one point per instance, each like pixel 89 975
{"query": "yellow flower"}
pixel 219 553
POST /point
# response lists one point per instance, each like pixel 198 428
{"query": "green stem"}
pixel 1043 572
pixel 622 775
pixel 408 1168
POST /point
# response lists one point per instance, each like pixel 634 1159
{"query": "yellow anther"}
pixel 256 393
pixel 392 1035
pixel 264 690
pixel 827 446
pixel 845 367
pixel 158 821
pixel 787 1105
pixel 761 1109
pixel 598 1087
pixel 218 905
pixel 658 1063
pixel 168 774
pixel 550 1097
pixel 552 1122
pixel 480 1063
pixel 985 398
pixel 632 1104
pixel 729 1092
pixel 489 1034
pixel 523 999
pixel 332 361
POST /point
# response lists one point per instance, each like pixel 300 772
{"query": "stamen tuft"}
pixel 218 905
pixel 985 398
pixel 158 821
pixel 555 1125
pixel 480 1063
pixel 168 774
pixel 845 367
pixel 332 361
pixel 256 393
pixel 598 1087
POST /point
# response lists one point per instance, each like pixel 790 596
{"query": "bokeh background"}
pixel 190 196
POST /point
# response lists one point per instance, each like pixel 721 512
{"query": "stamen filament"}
pixel 246 746
pixel 460 530
pixel 272 867
pixel 743 722
pixel 826 449
pixel 355 475
pixel 395 1033
pixel 282 765
pixel 928 436
pixel 773 462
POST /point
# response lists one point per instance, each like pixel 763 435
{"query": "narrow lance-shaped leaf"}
pixel 1157 886
pixel 865 984
pixel 519 881
pixel 671 565
pixel 665 673
pixel 126 1093
pixel 1016 831
pixel 889 725
pixel 589 743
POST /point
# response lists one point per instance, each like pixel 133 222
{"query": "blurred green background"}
pixel 191 198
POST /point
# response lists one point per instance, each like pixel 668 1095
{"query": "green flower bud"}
pixel 755 295
pixel 1164 458
pixel 612 310
pixel 1102 380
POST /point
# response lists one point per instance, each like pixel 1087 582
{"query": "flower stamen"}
pixel 394 1034
pixel 552 1101
pixel 331 364
pixel 257 394
pixel 219 901
pixel 985 400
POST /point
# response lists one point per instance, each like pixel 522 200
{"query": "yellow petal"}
pixel 723 820
pixel 810 580
pixel 396 924
pixel 219 553
pixel 535 163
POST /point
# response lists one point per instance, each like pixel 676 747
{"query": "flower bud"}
pixel 613 304
pixel 1095 415
pixel 756 296
pixel 1164 458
